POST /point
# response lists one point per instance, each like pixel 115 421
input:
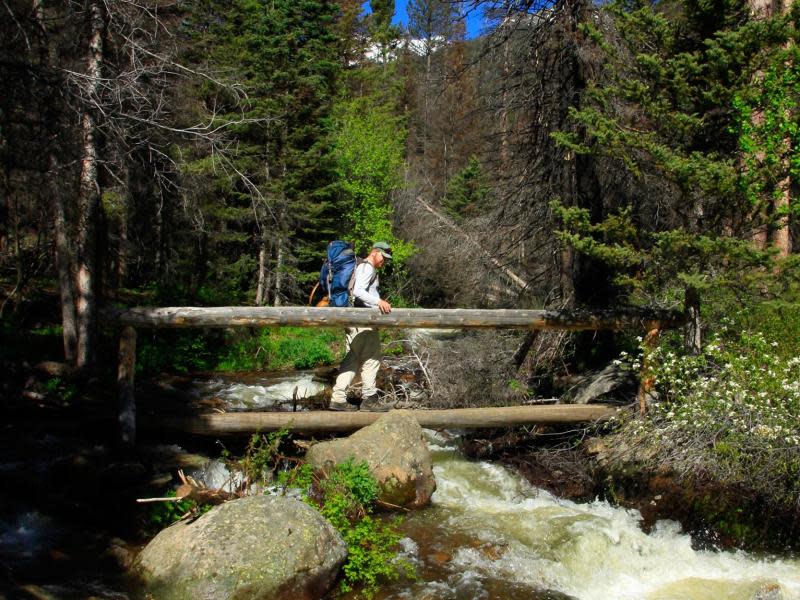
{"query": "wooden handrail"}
pixel 457 318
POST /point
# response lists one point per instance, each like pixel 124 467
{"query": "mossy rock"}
pixel 398 457
pixel 255 547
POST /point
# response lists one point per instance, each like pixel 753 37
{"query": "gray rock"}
pixel 603 386
pixel 396 452
pixel 768 591
pixel 267 547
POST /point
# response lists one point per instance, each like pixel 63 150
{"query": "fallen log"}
pixel 325 421
pixel 182 317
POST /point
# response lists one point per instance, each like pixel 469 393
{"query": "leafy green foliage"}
pixel 697 104
pixel 261 457
pixel 162 514
pixel 63 389
pixel 282 348
pixel 699 95
pixel 656 267
pixel 368 149
pixel 768 130
pixel 273 190
pixel 268 348
pixel 346 498
pixel 300 477
pixel 173 351
pixel 731 409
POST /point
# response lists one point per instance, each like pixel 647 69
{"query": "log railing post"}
pixel 125 382
pixel 692 333
pixel 647 379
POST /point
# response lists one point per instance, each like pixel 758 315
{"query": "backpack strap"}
pixel 351 284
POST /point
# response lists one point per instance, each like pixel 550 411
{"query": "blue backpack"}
pixel 337 275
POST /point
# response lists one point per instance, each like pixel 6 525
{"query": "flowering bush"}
pixel 731 412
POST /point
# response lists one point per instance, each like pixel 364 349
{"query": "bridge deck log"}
pixel 322 421
pixel 459 318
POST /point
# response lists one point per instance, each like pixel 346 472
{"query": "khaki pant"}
pixel 363 352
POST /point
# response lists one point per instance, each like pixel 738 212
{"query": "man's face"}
pixel 379 259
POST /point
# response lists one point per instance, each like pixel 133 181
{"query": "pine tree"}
pixel 676 102
pixel 275 199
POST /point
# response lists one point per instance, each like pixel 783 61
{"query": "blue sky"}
pixel 474 18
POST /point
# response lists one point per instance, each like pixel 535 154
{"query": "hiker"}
pixel 363 343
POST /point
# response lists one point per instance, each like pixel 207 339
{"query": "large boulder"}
pixel 267 547
pixel 398 457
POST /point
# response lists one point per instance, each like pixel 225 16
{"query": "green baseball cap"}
pixel 384 248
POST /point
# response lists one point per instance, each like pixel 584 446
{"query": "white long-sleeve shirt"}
pixel 365 286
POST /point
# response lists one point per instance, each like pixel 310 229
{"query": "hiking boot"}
pixel 342 406
pixel 375 404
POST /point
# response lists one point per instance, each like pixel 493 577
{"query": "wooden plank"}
pixel 322 421
pixel 238 316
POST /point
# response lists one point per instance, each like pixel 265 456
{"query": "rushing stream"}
pixel 270 393
pixel 489 534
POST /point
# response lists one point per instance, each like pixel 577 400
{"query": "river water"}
pixel 489 534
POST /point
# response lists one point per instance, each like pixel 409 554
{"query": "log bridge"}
pixel 129 320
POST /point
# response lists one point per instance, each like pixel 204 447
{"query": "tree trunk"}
pixel 692 332
pixel 279 273
pixel 66 282
pixel 325 421
pixel 64 257
pixel 89 195
pixel 261 290
pixel 121 271
pixel 218 317
pixel 781 235
pixel 505 153
pixel 508 273
pixel 777 232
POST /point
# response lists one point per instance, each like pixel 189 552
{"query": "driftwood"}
pixel 191 490
pixel 181 317
pixel 323 421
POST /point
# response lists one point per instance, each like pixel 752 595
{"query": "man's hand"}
pixel 384 307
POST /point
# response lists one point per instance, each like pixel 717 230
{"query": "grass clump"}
pixel 250 350
pixel 281 348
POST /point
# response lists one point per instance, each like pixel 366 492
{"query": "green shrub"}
pixel 174 351
pixel 163 514
pixel 346 498
pixel 268 348
pixel 261 457
pixel 730 412
pixel 58 387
